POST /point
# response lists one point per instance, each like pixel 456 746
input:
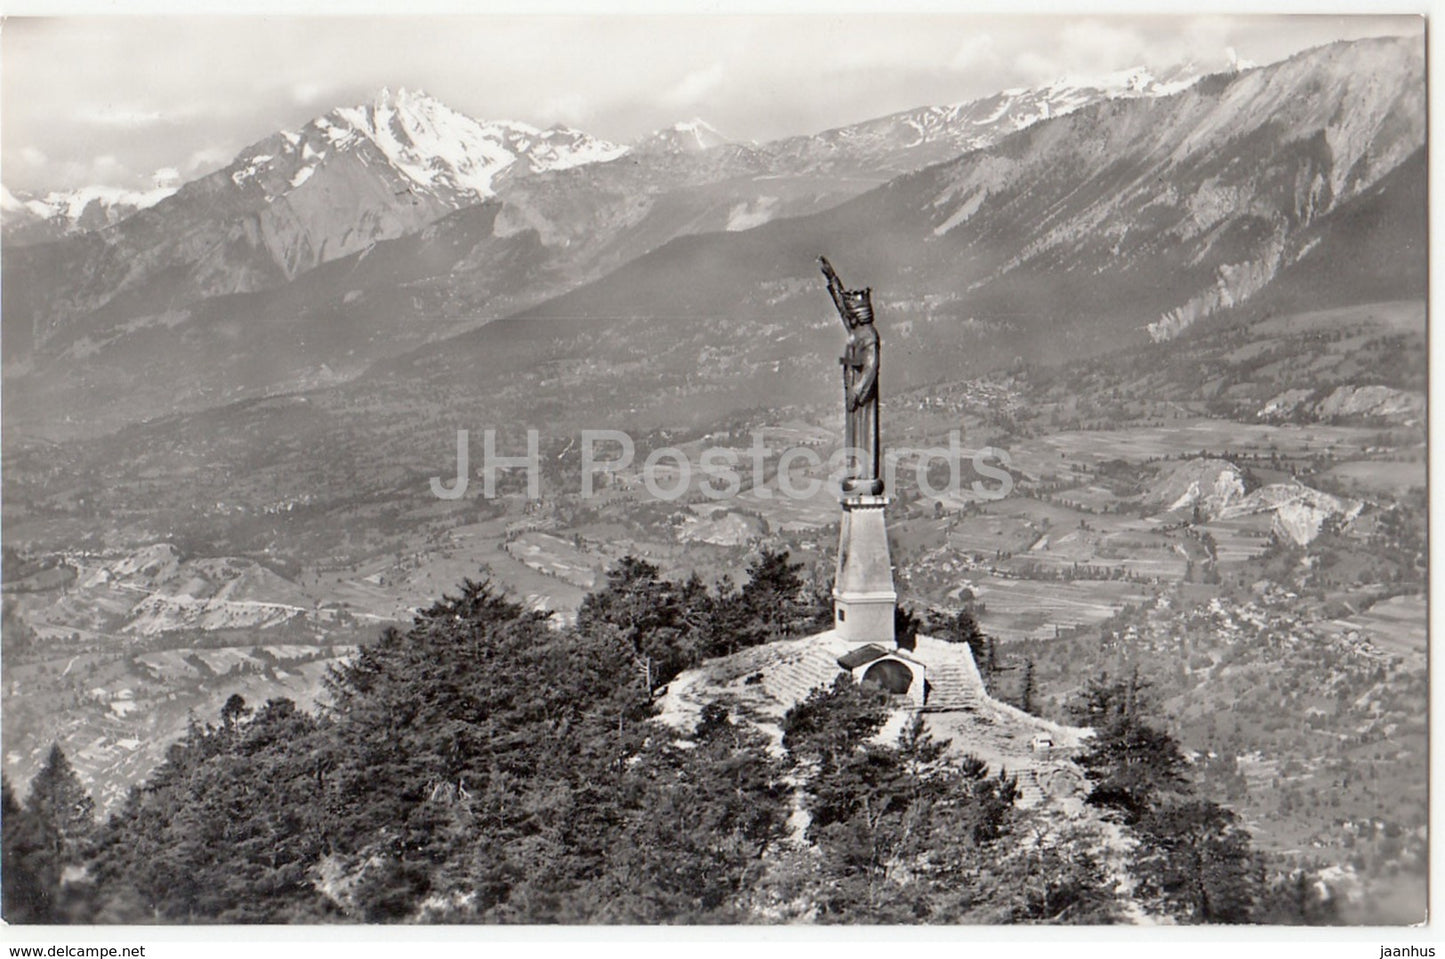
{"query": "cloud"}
pixel 124 117
pixel 1236 62
pixel 1095 45
pixel 569 108
pixel 1087 47
pixel 696 85
pixel 26 164
pixel 104 170
pixel 1037 68
pixel 977 51
pixel 207 159
pixel 306 93
pixel 1091 47
pixel 1208 35
pixel 37 171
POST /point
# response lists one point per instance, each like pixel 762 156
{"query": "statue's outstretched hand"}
pixel 827 267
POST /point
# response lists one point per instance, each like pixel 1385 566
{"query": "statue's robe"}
pixel 860 379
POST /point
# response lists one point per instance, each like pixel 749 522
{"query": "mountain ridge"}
pixel 1217 187
pixel 269 218
pixel 952 304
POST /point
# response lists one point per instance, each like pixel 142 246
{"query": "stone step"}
pixel 791 681
pixel 952 686
pixel 959 675
pixel 1031 791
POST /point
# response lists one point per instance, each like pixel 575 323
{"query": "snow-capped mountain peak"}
pixel 432 145
pixel 1136 81
pixel 62 212
pixel 685 136
pixel 913 138
pixel 446 152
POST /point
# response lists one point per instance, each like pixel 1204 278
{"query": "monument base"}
pixel 864 599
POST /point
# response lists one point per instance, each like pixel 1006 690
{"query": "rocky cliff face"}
pixel 1346 402
pixel 1213 187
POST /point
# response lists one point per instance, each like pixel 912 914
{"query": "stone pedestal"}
pixel 863 595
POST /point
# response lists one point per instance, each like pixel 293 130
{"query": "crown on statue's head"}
pixel 859 304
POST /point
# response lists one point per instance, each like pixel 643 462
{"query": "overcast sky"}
pixel 112 99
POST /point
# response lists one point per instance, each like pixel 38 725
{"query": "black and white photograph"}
pixel 813 468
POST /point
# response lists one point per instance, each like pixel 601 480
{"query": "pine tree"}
pixel 906 624
pixel 645 608
pixel 1056 873
pixel 58 825
pixel 965 629
pixel 1026 692
pixel 26 898
pixel 774 596
pixel 903 833
pixel 1132 765
pixel 694 844
pixel 1195 859
pixel 831 723
pixel 58 800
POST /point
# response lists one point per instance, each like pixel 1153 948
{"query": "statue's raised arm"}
pixel 835 288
